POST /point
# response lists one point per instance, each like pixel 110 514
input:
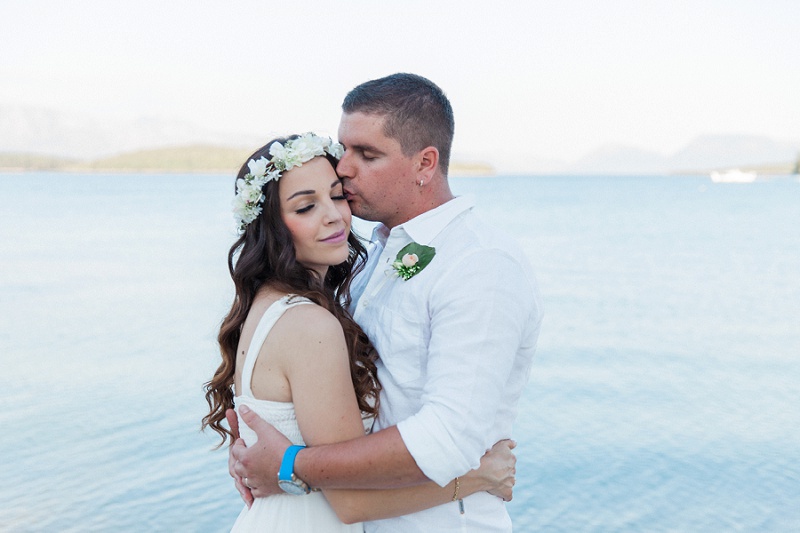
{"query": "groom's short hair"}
pixel 417 113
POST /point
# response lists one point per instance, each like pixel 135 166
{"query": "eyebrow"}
pixel 300 193
pixel 365 148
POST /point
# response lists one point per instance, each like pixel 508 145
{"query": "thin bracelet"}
pixel 455 494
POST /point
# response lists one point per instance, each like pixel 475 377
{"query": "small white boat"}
pixel 733 175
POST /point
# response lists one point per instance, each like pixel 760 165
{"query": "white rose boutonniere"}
pixel 412 259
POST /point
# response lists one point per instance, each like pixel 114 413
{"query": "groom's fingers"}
pixel 233 422
pixel 250 418
pixel 235 459
pixel 233 456
pixel 255 422
pixel 237 472
pixel 237 462
pixel 244 492
pixel 234 453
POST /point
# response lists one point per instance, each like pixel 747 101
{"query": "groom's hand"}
pixel 257 466
pixel 244 492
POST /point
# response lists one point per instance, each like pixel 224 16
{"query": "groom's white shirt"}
pixel 455 344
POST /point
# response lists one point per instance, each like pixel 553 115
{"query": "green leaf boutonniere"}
pixel 412 259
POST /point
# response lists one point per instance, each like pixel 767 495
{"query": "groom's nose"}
pixel 345 168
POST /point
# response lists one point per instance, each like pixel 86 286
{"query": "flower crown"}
pixel 249 196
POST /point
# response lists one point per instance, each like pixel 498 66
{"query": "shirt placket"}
pixel 383 270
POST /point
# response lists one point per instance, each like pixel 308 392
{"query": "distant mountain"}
pixel 15 161
pixel 54 133
pixel 618 159
pixel 33 137
pixel 192 158
pixel 701 155
pixel 196 158
pixel 721 151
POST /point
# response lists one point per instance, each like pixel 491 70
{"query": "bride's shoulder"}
pixel 306 322
pixel 308 335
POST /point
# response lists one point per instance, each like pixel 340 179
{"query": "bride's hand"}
pixel 497 470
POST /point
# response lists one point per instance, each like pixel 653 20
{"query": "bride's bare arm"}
pixel 495 475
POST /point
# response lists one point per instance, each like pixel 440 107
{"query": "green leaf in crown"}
pixel 412 259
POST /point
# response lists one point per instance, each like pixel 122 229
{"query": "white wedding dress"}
pixel 308 513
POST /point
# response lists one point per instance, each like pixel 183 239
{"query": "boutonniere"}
pixel 412 259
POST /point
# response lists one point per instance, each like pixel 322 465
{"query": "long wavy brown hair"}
pixel 264 255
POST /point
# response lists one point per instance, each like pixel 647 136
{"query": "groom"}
pixel 455 340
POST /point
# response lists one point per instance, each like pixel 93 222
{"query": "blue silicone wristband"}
pixel 287 464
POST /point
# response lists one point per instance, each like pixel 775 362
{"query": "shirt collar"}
pixel 425 227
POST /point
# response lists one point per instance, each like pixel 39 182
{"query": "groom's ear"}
pixel 428 163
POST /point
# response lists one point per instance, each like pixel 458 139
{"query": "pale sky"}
pixel 529 80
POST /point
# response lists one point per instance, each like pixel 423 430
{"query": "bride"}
pixel 291 351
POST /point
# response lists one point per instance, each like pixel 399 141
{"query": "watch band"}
pixel 287 464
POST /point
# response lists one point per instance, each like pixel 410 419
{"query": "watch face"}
pixel 292 487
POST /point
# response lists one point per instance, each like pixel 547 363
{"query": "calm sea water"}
pixel 664 395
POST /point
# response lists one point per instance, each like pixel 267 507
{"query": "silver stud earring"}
pixel 421 182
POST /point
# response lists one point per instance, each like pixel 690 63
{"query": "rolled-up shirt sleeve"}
pixel 481 313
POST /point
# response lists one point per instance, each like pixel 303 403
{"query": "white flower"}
pixel 336 150
pixel 252 187
pixel 245 212
pixel 277 151
pixel 251 194
pixel 247 202
pixel 409 260
pixel 304 148
pixel 293 159
pixel 309 145
pixel 258 167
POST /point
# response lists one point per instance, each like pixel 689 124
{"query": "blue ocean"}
pixel 664 397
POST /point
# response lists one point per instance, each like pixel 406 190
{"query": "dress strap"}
pixel 268 319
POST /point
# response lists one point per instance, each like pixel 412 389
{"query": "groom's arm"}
pixel 476 331
pixel 377 461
